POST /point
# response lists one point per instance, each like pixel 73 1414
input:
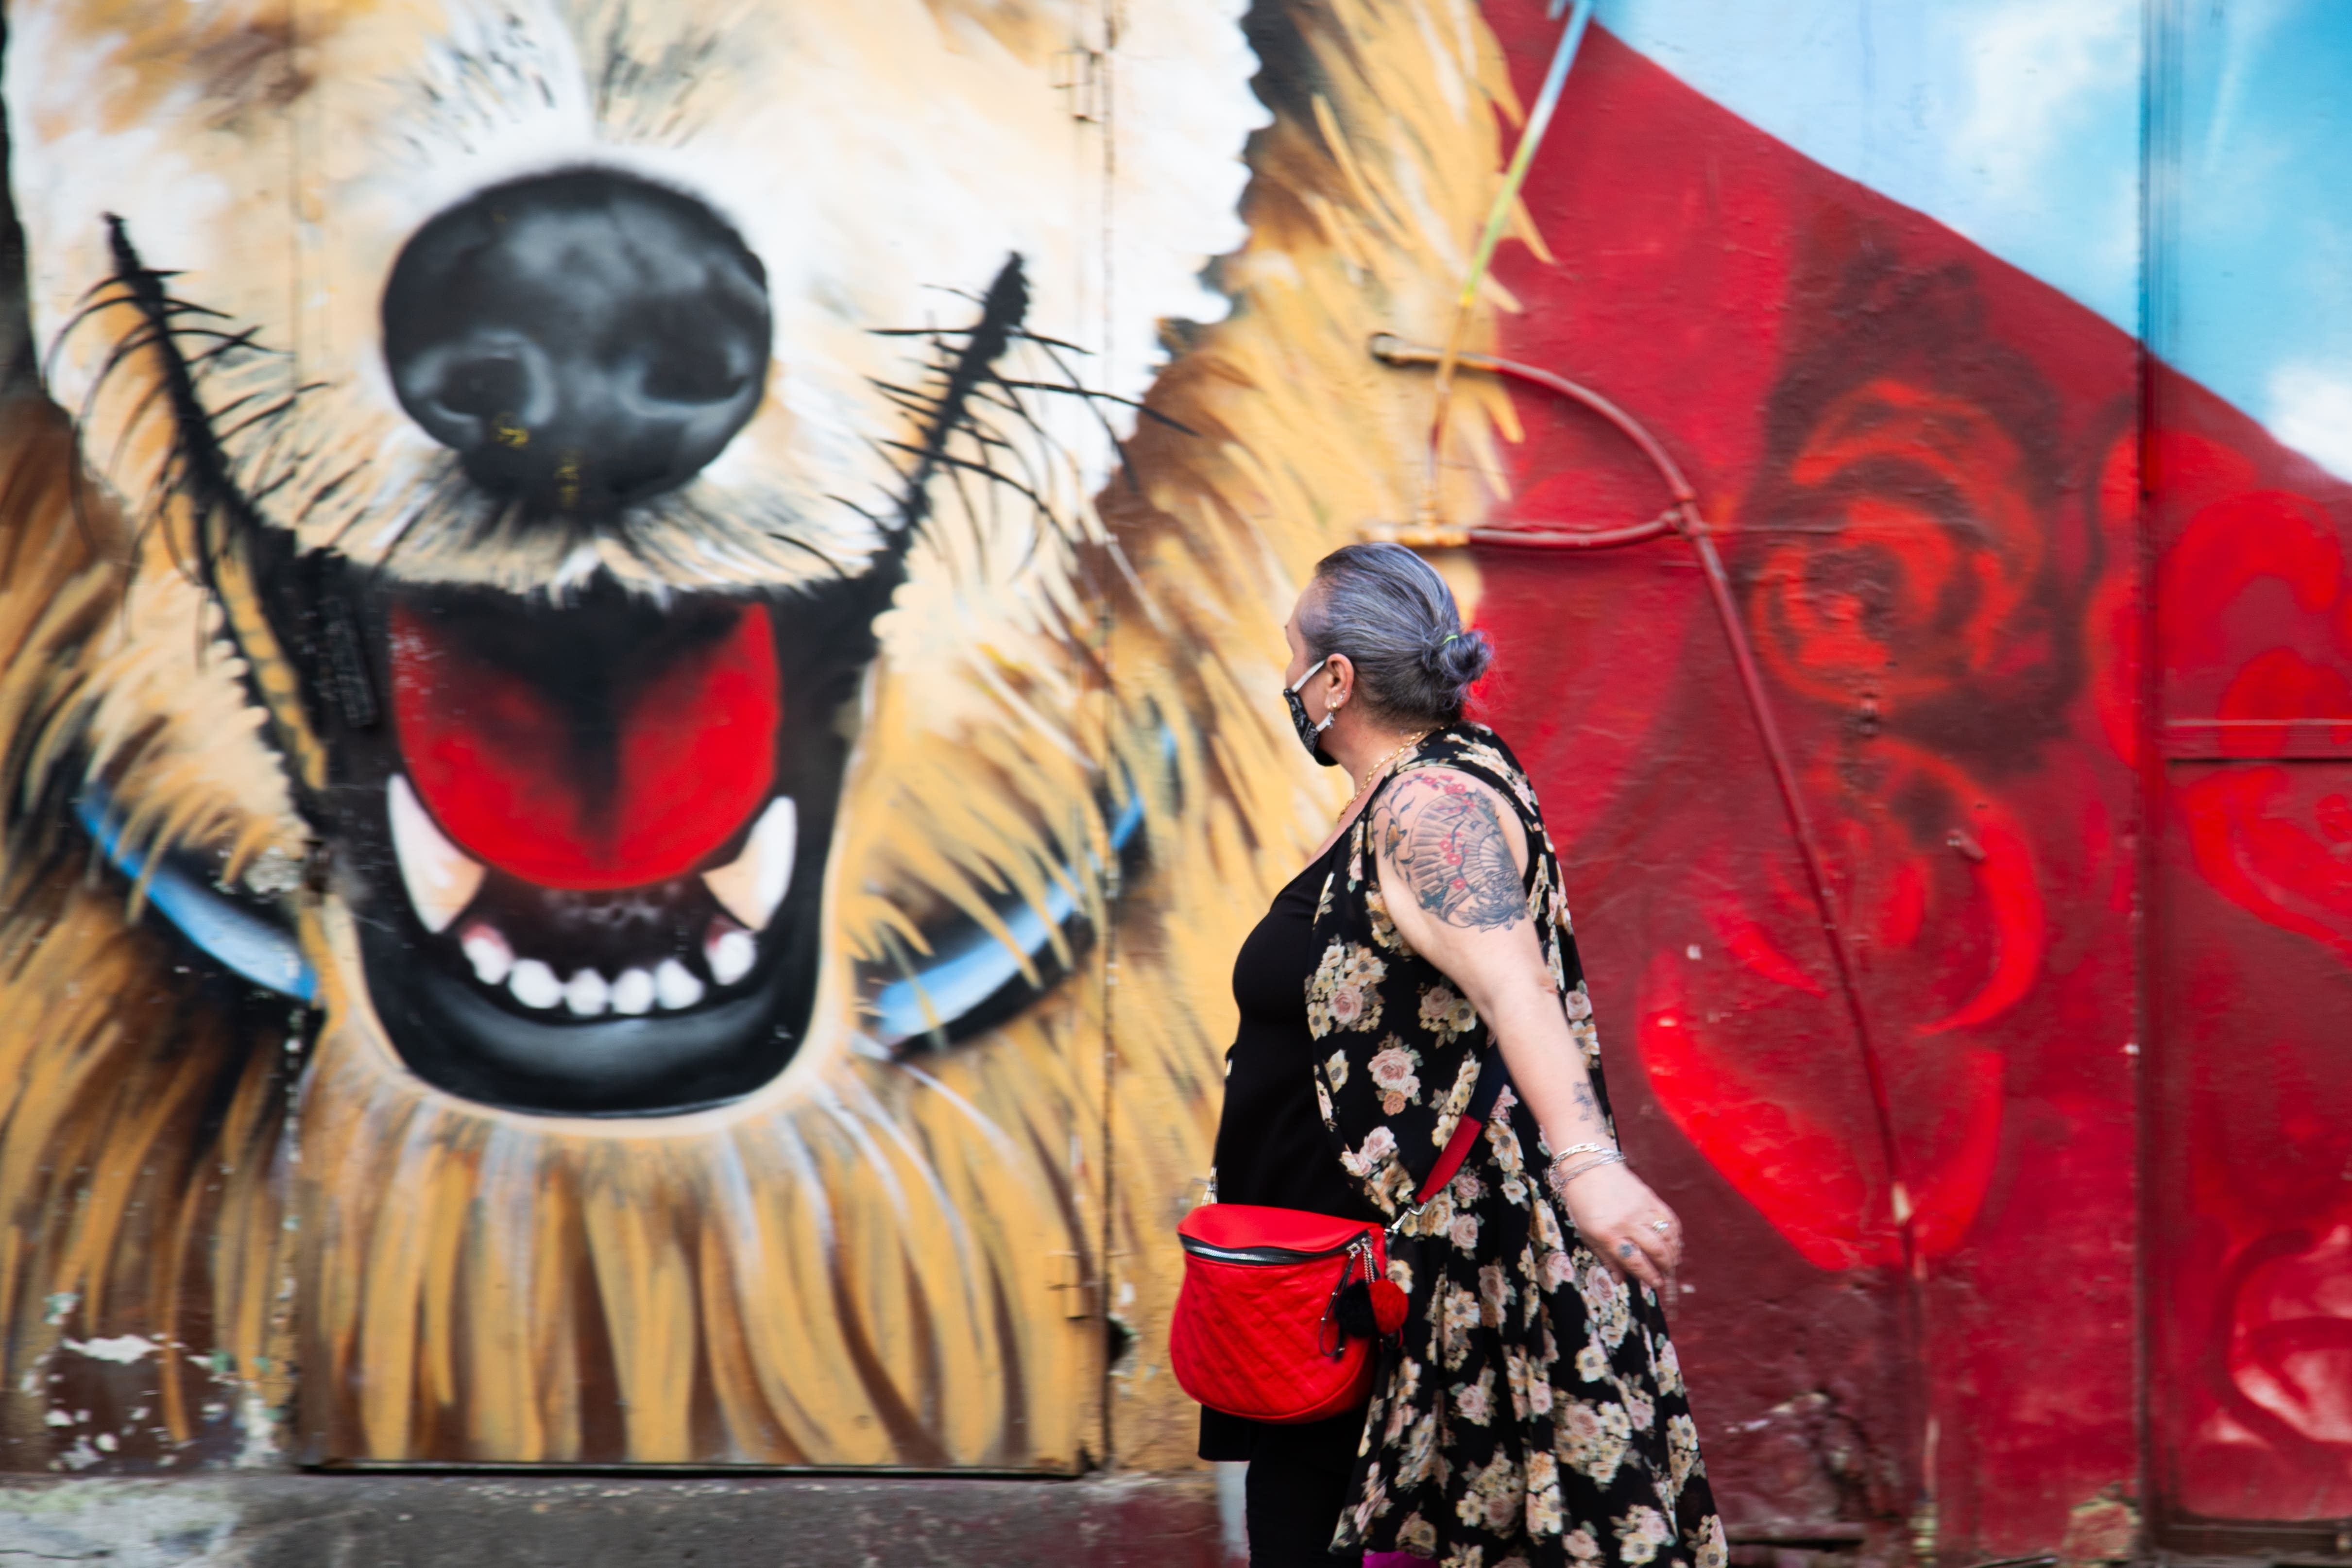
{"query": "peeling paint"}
pixel 2104 1529
pixel 259 1423
pixel 123 1348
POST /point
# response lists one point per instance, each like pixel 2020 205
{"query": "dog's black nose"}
pixel 580 340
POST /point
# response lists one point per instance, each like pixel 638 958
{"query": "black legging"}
pixel 1296 1486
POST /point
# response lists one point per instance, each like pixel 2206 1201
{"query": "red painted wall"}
pixel 1927 467
pixel 2250 978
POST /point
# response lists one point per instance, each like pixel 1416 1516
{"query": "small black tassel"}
pixel 1354 1311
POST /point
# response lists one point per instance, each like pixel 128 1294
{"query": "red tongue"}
pixel 679 759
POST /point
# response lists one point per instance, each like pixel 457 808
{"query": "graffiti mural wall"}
pixel 563 783
pixel 639 718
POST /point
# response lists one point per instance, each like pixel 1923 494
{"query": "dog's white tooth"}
pixel 676 986
pixel 751 886
pixel 731 954
pixel 441 878
pixel 488 952
pixel 633 993
pixel 587 994
pixel 534 985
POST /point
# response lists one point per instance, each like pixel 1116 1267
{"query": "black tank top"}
pixel 1272 1146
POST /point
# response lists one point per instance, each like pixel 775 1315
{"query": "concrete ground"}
pixel 393 1521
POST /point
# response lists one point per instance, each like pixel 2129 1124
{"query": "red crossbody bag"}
pixel 1269 1323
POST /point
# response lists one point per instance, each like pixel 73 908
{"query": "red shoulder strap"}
pixel 1492 1077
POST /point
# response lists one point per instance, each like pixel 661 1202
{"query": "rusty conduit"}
pixel 1683 517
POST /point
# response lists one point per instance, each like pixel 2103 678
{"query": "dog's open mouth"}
pixel 589 837
pixel 582 832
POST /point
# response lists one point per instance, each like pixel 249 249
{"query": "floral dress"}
pixel 1532 1414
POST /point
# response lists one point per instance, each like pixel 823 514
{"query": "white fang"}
pixel 751 886
pixel 441 878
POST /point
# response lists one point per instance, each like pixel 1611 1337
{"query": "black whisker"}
pixel 921 408
pixel 110 280
pixel 282 405
pixel 1126 467
pixel 234 404
pixel 144 336
pixel 1140 407
pixel 202 363
pixel 988 394
pixel 58 344
pixel 326 493
pixel 1052 344
pixel 1013 403
pixel 1012 393
pixel 195 469
pixel 276 421
pixel 137 416
pixel 877 381
pixel 1003 309
pixel 972 517
pixel 990 441
pixel 786 536
pixel 232 338
pixel 948 460
pixel 881 445
pixel 880 524
pixel 258 458
pixel 273 487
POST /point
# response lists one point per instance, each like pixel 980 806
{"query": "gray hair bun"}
pixel 1459 658
pixel 1394 618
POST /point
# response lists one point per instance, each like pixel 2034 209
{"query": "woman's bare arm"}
pixel 1451 859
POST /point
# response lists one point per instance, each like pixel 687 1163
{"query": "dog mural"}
pixel 592 623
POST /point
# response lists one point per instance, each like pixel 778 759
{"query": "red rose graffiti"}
pixel 1917 582
pixel 2254 975
pixel 2256 599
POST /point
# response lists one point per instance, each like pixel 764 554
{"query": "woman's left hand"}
pixel 1625 1225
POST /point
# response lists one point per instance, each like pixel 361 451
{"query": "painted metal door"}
pixel 2248 1154
pixel 771 718
pixel 2247 1157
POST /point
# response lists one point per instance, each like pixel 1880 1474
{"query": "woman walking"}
pixel 1532 1412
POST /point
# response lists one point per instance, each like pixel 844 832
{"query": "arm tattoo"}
pixel 1445 839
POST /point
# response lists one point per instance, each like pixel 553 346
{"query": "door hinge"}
pixel 1079 74
pixel 1066 1274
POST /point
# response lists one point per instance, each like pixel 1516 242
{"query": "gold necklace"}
pixel 1374 770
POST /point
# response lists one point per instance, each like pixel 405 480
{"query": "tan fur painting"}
pixel 639 698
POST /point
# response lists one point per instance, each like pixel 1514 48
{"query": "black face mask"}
pixel 1310 734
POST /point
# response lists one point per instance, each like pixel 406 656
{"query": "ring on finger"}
pixel 1662 1226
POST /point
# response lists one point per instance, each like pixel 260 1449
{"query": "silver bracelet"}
pixel 1575 1149
pixel 1614 1157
